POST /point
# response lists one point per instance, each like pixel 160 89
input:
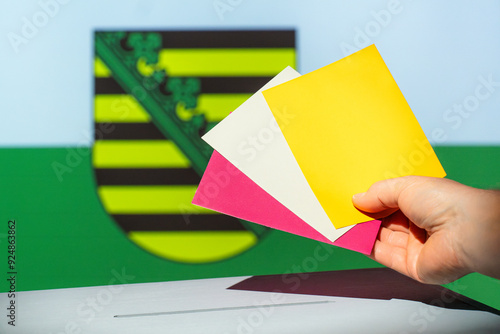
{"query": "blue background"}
pixel 435 50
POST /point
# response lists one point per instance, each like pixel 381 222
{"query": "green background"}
pixel 65 238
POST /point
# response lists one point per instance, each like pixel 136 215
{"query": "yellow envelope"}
pixel 348 125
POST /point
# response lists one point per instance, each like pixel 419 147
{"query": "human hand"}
pixel 434 230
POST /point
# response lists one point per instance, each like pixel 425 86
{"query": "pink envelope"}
pixel 224 188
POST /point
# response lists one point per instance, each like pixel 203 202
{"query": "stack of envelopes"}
pixel 292 156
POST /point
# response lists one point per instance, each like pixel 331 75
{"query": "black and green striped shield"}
pixel 156 93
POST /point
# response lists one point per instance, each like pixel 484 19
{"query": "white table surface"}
pixel 206 306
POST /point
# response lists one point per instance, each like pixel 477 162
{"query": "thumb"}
pixel 383 197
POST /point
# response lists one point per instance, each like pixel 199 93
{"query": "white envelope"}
pixel 251 140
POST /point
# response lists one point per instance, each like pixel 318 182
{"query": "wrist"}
pixel 481 235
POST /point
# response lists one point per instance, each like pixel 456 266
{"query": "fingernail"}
pixel 358 196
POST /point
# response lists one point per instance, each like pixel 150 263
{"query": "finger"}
pixel 378 215
pixel 390 256
pixel 397 222
pixel 382 196
pixel 393 238
pixel 416 241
